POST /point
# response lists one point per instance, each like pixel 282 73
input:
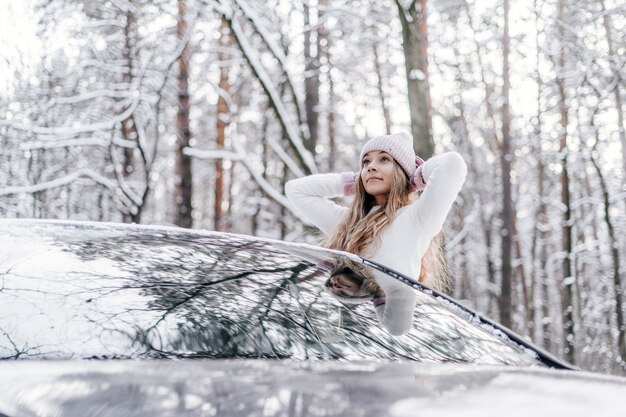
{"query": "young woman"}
pixel 387 221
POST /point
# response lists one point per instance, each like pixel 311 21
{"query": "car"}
pixel 102 319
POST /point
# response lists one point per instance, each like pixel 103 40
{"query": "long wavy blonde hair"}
pixel 360 230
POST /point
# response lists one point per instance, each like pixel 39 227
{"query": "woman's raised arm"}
pixel 444 175
pixel 310 196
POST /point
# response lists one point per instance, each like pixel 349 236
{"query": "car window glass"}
pixel 128 293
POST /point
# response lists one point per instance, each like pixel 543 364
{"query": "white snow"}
pixel 212 154
pixel 417 74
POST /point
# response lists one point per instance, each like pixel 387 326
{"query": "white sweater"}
pixel 404 242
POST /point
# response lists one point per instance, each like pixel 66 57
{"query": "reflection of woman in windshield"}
pixel 352 283
pixel 387 221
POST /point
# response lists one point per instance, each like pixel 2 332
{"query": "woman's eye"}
pixel 366 161
pixel 385 159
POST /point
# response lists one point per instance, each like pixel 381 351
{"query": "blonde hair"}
pixel 360 230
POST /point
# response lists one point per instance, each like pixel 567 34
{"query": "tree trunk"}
pixel 615 256
pixel 537 274
pixel 222 115
pixel 229 210
pixel 311 79
pixel 521 271
pixel 183 186
pixel 492 138
pixel 505 161
pixel 332 141
pixel 567 283
pixel 415 46
pixel 264 161
pixel 546 300
pixel 381 89
pixel 616 89
pixel 283 210
pixel 129 130
pixel 540 235
pixel 463 287
pixel 325 43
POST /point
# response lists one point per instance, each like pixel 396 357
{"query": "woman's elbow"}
pixel 291 188
pixel 456 160
pixel 455 166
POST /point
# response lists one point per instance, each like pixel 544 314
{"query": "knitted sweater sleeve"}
pixel 310 196
pixel 396 314
pixel 444 175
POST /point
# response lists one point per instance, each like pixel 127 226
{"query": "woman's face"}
pixel 343 285
pixel 377 175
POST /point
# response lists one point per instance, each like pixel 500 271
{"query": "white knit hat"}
pixel 400 146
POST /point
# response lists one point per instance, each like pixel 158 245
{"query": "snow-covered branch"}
pixel 284 119
pixel 68 143
pixel 280 56
pixel 264 185
pixel 62 181
pixel 212 154
pixel 291 164
pixel 123 185
pixel 67 131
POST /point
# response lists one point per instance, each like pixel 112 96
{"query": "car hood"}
pixel 284 388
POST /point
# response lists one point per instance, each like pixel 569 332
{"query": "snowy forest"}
pixel 196 112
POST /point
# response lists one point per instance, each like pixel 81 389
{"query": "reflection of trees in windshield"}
pixel 202 292
pixel 237 301
pixel 154 294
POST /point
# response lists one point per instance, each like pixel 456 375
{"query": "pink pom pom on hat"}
pixel 399 146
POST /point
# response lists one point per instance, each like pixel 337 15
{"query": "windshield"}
pixel 71 291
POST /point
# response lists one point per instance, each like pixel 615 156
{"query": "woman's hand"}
pixel 348 183
pixel 378 300
pixel 417 179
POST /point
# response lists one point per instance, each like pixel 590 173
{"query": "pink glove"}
pixel 417 179
pixel 348 183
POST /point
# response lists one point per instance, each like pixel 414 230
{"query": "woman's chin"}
pixel 376 191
